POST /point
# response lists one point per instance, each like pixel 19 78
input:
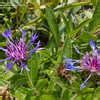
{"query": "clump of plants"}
pixel 49 50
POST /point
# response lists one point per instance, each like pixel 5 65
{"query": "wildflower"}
pixel 90 62
pixel 17 51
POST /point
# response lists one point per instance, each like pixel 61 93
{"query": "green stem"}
pixel 29 78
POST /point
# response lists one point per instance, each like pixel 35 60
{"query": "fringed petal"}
pixel 92 44
pixel 23 32
pixel 33 38
pixel 3 49
pixel 69 65
pixel 9 66
pixel 4 60
pixel 35 49
pixel 24 66
pixel 7 34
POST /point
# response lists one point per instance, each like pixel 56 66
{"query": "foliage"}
pixel 60 26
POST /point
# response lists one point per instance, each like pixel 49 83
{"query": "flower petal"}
pixel 24 66
pixel 23 32
pixel 33 38
pixel 9 66
pixel 83 85
pixel 66 60
pixel 3 60
pixel 92 44
pixel 70 67
pixel 77 50
pixel 69 64
pixel 98 51
pixel 3 49
pixel 86 62
pixel 7 34
pixel 35 49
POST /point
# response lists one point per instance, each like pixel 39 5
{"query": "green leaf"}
pixel 33 65
pixel 73 34
pixel 19 95
pixel 32 23
pixel 15 3
pixel 68 48
pixel 78 97
pixel 68 23
pixel 22 11
pixel 85 37
pixel 17 80
pixel 72 5
pixel 28 97
pixel 51 19
pixel 94 2
pixel 95 20
pixel 47 97
pixel 65 95
pixel 20 14
pixel 41 83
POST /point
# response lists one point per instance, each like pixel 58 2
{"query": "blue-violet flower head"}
pixel 17 51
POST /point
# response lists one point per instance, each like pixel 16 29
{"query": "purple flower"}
pixel 17 52
pixel 90 62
